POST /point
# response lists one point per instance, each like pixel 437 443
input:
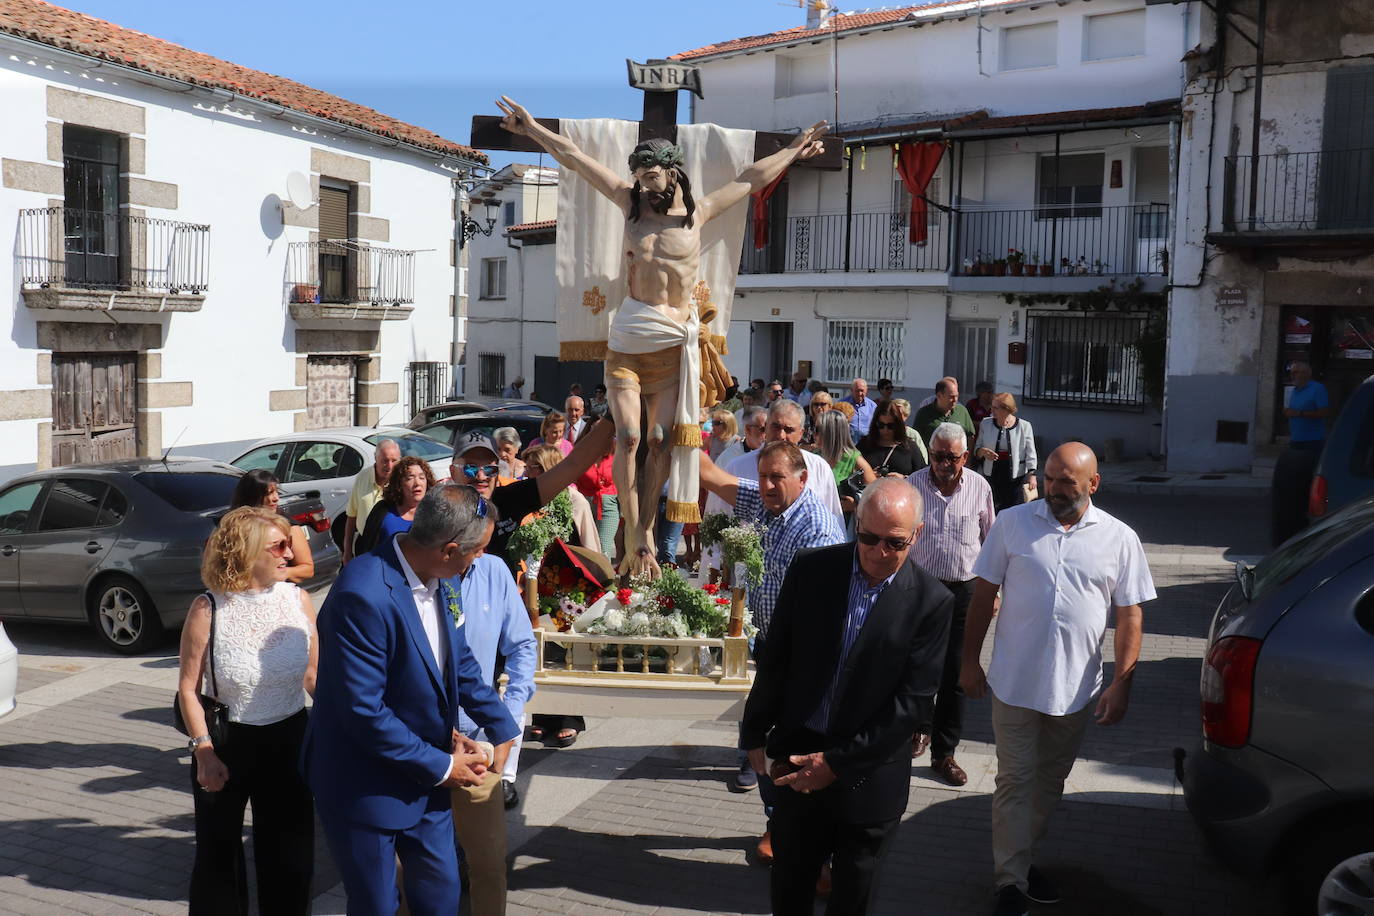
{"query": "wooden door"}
pixel 93 407
pixel 329 391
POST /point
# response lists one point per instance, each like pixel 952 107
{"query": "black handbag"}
pixel 216 713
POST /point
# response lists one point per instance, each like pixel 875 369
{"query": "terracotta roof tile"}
pixel 1161 109
pixel 96 38
pixel 844 22
pixel 542 225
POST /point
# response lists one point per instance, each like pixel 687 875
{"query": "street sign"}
pixel 664 76
pixel 1231 296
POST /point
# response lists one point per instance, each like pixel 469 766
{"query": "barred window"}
pixel 864 349
pixel 1084 359
pixel 491 374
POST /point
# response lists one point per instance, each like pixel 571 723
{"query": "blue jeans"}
pixel 668 534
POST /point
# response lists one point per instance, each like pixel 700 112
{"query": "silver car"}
pixel 1283 780
pixel 9 673
pixel 328 459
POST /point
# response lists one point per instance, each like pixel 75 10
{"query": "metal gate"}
pixel 330 389
pixel 426 385
pixel 971 354
pixel 93 401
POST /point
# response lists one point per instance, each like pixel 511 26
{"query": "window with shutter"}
pixel 334 259
pixel 1346 194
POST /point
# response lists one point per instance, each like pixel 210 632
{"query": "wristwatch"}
pixel 197 742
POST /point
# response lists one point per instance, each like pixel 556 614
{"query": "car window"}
pixel 412 443
pixel 323 461
pixel 264 458
pixel 113 510
pixel 15 505
pixel 1310 546
pixel 195 492
pixel 72 502
pixel 451 410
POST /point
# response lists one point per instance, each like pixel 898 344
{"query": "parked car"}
pixel 117 545
pixel 478 405
pixel 1283 779
pixel 1308 485
pixel 9 673
pixel 449 429
pixel 328 459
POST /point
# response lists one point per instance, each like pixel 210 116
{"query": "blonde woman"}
pixel 250 642
pixel 1006 444
pixel 724 432
pixel 553 431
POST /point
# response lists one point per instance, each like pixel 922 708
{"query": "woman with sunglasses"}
pixel 820 403
pixel 261 490
pixel 886 447
pixel 261 630
pixel 410 480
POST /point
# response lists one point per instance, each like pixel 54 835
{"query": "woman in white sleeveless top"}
pixel 264 648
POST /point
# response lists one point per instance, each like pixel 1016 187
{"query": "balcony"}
pixel 847 243
pixel 1066 248
pixel 349 279
pixel 92 260
pixel 1298 200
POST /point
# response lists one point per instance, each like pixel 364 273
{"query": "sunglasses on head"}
pixel 868 539
pixel 944 457
pixel 490 470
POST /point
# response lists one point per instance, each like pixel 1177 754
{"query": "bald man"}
pixel 1065 567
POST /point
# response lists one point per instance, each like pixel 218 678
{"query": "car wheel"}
pixel 123 615
pixel 1335 873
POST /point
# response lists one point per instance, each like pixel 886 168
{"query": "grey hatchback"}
pixel 118 544
pixel 1284 777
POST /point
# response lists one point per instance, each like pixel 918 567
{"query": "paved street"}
pixel 95 813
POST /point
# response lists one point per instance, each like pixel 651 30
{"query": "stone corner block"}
pixel 286 399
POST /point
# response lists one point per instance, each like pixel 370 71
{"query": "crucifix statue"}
pixel 661 365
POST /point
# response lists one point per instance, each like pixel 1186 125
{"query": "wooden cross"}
pixel 661 80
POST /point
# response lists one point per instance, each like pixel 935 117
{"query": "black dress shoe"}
pixel 509 793
pixel 1039 888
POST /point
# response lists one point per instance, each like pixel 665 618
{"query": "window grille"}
pixel 491 374
pixel 1085 359
pixel 426 385
pixel 864 349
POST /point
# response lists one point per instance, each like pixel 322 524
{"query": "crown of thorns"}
pixel 667 157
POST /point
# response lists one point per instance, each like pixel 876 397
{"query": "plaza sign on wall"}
pixel 664 76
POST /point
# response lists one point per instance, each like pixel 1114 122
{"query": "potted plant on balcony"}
pixel 1099 267
pixel 305 292
pixel 1016 262
pixel 1046 267
pixel 999 267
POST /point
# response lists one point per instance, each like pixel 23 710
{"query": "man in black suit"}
pixel 856 647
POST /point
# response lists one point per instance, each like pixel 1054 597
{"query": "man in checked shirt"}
pixel 958 513
pixel 793 519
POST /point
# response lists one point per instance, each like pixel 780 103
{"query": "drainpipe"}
pixel 1255 118
pixel 457 356
pixel 520 345
pixel 848 210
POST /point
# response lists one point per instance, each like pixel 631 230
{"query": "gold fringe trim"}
pixel 580 350
pixel 687 435
pixel 687 513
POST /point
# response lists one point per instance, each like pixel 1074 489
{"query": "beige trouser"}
pixel 479 825
pixel 1035 753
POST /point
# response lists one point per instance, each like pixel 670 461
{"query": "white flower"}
pixel 613 620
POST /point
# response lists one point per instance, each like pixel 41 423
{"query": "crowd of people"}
pixel 889 542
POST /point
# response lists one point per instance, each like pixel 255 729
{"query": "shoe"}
pixel 823 883
pixel 1039 888
pixel 561 740
pixel 509 794
pixel 745 779
pixel 1009 902
pixel 950 772
pixel 764 850
pixel 919 742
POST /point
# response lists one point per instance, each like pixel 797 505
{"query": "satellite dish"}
pixel 298 191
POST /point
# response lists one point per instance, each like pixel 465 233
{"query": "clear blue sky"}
pixel 437 64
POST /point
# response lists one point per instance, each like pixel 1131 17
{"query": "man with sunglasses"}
pixel 958 513
pixel 475 464
pixel 856 646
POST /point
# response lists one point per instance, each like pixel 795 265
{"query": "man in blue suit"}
pixel 381 752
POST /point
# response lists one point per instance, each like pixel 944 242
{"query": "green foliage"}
pixel 712 526
pixel 534 537
pixel 1129 298
pixel 744 544
pixel 698 609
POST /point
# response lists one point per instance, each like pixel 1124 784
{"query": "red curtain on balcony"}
pixel 758 208
pixel 916 163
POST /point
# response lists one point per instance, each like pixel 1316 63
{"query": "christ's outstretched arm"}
pixel 518 121
pixel 757 176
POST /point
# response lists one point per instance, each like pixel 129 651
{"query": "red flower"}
pixel 722 601
pixel 665 601
pixel 710 588
pixel 624 595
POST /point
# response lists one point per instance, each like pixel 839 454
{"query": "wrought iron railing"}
pixel 865 242
pixel 1058 240
pixel 1285 192
pixel 89 249
pixel 349 271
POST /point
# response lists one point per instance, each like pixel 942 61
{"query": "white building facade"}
pixel 199 266
pixel 1055 124
pixel 1275 227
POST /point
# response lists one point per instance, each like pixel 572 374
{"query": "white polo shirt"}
pixel 1058 589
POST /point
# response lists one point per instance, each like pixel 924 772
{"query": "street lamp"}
pixel 471 227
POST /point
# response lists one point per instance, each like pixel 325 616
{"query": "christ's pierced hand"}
pixel 809 141
pixel 517 120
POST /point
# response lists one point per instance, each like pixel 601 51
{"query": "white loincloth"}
pixel 640 328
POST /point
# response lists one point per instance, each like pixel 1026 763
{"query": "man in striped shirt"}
pixel 958 513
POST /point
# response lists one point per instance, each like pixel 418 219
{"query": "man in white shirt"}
pixel 1062 564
